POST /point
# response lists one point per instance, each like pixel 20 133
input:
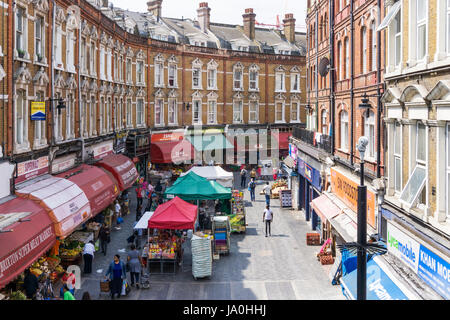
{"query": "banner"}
pixel 347 190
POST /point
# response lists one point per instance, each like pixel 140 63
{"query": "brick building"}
pixel 122 74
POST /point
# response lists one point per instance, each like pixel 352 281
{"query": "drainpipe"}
pixel 332 73
pixel 308 97
pixel 53 77
pixel 351 83
pixel 316 74
pixel 379 106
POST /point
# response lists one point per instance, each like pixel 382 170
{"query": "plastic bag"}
pixel 119 220
pixel 125 288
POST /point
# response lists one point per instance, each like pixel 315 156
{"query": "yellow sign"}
pixel 37 110
pixel 347 190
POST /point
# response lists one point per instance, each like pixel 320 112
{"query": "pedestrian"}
pixel 135 263
pixel 30 284
pixel 88 256
pixel 243 177
pixel 154 203
pixel 201 215
pixel 86 296
pixel 69 280
pixel 268 218
pixel 67 294
pixel 253 174
pixel 117 274
pixel 267 191
pixel 103 235
pixel 138 213
pixel 150 188
pixel 125 203
pixel 117 210
pixel 139 195
pixel 251 188
pixel 158 188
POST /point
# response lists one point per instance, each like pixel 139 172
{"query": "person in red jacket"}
pixel 139 195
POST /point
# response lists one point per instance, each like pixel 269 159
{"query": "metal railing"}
pixel 311 138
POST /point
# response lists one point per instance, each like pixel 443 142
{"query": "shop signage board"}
pixel 31 169
pixel 292 151
pixel 430 267
pixel 310 174
pixel 63 164
pixel 37 111
pixel 103 149
pixel 167 137
pixel 120 143
pixel 347 190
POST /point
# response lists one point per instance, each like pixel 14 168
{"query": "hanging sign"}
pixel 37 111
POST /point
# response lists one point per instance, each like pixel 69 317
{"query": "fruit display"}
pixel 237 218
pixel 48 265
pixel 70 249
pixel 166 249
pixel 277 187
pixel 278 184
pixel 17 295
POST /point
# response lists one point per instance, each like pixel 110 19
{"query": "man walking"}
pixel 103 235
pixel 267 191
pixel 268 218
pixel 88 255
pixel 251 188
pixel 117 209
pixel 243 177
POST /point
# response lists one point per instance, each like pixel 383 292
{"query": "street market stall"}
pixel 221 231
pixel 237 216
pixel 166 247
pixel 215 173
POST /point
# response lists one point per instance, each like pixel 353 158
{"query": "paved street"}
pixel 280 267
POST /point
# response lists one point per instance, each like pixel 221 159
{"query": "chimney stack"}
pixel 249 23
pixel 203 16
pixel 154 7
pixel 289 27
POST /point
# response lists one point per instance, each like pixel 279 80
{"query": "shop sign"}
pixel 430 267
pixel 292 151
pixel 103 149
pixel 121 142
pixel 63 164
pixel 309 173
pixel 347 190
pixel 31 169
pixel 37 111
pixel 167 137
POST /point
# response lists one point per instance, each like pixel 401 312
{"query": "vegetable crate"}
pixel 313 239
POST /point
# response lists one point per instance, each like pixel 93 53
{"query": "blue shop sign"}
pixel 309 173
pixel 435 271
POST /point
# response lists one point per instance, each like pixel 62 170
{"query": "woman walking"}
pixel 117 274
pixel 135 263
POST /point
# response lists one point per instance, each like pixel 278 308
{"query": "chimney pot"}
pixel 204 16
pixel 249 23
pixel 289 27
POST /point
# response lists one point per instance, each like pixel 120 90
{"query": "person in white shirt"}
pixel 267 191
pixel 117 213
pixel 88 255
pixel 268 218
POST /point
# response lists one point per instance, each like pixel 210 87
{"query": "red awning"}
pixel 28 240
pixel 99 186
pixel 122 168
pixel 325 208
pixel 171 151
pixel 175 214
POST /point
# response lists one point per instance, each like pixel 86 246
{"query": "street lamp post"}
pixel 362 226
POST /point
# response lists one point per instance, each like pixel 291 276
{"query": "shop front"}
pixel 100 150
pixel 169 148
pixel 29 170
pixel 310 187
pixel 138 149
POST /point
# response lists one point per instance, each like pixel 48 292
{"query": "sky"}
pixel 226 11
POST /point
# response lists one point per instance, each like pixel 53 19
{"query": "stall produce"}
pixel 237 217
pixel 70 252
pixel 277 187
pixel 221 231
pixel 164 249
pixel 201 255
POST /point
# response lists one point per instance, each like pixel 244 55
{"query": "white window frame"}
pixel 93 59
pixel 108 114
pixel 295 79
pixel 102 115
pixel 277 105
pixel 84 115
pixel 447 27
pixel 197 78
pixel 109 65
pixel 421 24
pixel 174 78
pixel 70 113
pixel 199 119
pixel 253 85
pixel 70 51
pixel 397 156
pixel 140 113
pixel 323 118
pixel 129 71
pixel 22 32
pixel 369 132
pixel 159 75
pixel 364 50
pixel 347 58
pixel 253 115
pixel 213 85
pixel 212 111
pixel 140 76
pixel 374 45
pixel 102 63
pixel 280 82
pixel 39 41
pixel 129 113
pixel 340 67
pixel 344 128
pixel 59 121
pixel 295 105
pixel 239 81
pixel 115 118
pixel 21 143
pixel 238 111
pixel 92 116
pixel 172 107
pixel 159 106
pixel 57 47
pixel 116 67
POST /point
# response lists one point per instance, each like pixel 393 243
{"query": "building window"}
pixel 279 111
pixel 93 59
pixel 344 130
pixel 237 78
pixel 397 39
pixel 197 112
pixel 39 38
pixel 109 64
pixel 295 82
pixel 58 122
pixel 196 78
pixel 102 63
pixel 339 62
pixel 212 112
pixel 237 111
pixel 159 75
pixel 172 111
pixel 295 111
pixel 347 58
pixel 21 119
pixel 70 112
pixel 253 80
pixel 84 115
pixel 108 114
pixel 421 31
pixel 129 114
pixel 39 126
pixel 364 50
pixel 140 72
pixel 115 118
pixel 173 75
pixel 102 115
pixel 70 48
pixel 159 112
pixel 92 116
pixel 415 190
pixel 129 74
pixel 324 122
pixel 397 176
pixel 21 30
pixel 212 79
pixel 280 82
pixel 253 114
pixel 373 33
pixel 140 112
pixel 369 132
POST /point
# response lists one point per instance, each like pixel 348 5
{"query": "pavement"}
pixel 280 267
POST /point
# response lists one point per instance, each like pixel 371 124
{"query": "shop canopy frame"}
pixel 122 168
pixel 193 187
pixel 175 214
